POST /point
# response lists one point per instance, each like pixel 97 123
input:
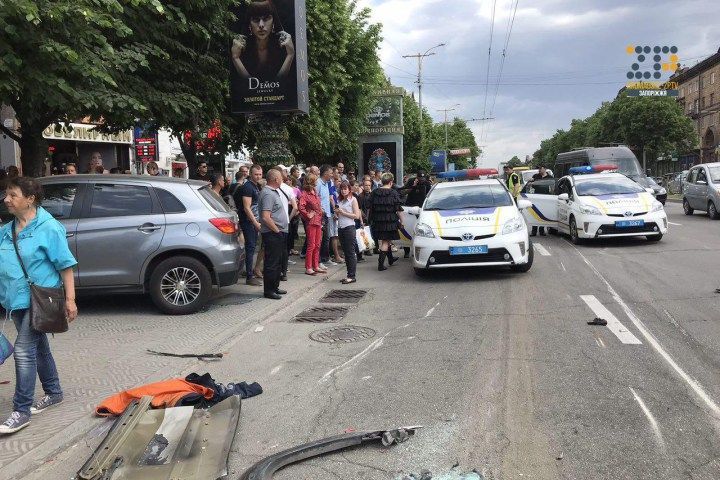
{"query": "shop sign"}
pixel 80 132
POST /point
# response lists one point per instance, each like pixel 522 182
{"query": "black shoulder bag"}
pixel 47 305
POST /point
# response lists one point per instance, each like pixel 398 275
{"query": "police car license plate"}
pixel 469 250
pixel 629 223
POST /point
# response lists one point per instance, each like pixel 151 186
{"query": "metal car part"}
pixel 266 468
pixel 172 443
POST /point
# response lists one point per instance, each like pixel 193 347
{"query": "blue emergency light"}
pixel 592 169
pixel 469 173
pixel 580 170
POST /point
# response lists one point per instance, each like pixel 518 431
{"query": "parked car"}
pixel 170 238
pixel 648 182
pixel 675 185
pixel 701 190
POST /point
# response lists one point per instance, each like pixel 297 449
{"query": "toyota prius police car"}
pixel 594 202
pixel 469 223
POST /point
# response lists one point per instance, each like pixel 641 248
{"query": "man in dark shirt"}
pixel 417 190
pixel 542 174
pixel 202 172
pixel 246 201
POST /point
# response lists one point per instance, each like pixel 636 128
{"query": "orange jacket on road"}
pixel 165 394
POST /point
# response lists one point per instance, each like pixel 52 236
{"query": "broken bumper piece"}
pixel 264 469
pixel 174 443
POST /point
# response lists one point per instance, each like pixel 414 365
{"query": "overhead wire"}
pixel 489 58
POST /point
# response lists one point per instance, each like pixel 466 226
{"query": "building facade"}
pixel 699 96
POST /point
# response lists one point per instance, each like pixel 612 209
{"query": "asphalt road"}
pixel 502 369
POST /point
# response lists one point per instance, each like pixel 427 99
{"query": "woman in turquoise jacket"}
pixel 44 250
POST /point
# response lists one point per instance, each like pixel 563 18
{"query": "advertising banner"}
pixel 386 114
pixel 268 57
pixel 380 156
pixel 438 160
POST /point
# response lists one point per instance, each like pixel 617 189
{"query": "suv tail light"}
pixel 225 225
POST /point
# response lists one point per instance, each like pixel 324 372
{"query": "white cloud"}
pixel 564 57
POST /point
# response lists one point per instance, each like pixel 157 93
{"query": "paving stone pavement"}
pixel 105 352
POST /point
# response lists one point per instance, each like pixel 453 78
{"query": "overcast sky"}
pixel 563 58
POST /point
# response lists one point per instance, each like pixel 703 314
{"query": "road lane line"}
pixel 541 250
pixel 373 346
pixel 650 417
pixel 613 324
pixel 275 370
pixel 430 312
pixel 563 267
pixel 696 387
pixel 599 341
pixel 676 224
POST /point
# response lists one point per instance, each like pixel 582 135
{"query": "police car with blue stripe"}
pixel 595 202
pixel 469 223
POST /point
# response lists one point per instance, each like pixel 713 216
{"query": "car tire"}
pixel 524 267
pixel 574 237
pixel 687 208
pixel 198 287
pixel 712 211
pixel 654 238
pixel 421 272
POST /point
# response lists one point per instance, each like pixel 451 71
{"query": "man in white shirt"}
pixel 290 203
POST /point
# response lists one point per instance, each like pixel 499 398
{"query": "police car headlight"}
pixel 656 207
pixel 513 225
pixel 589 210
pixel 424 230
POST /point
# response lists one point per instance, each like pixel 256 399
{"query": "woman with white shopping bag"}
pixel 347 211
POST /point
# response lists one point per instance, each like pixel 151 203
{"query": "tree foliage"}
pixel 656 124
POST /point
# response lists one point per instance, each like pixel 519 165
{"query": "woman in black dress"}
pixel 384 207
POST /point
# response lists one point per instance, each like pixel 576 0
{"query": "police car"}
pixel 594 202
pixel 469 223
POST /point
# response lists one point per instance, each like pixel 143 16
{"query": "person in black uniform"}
pixel 384 207
pixel 542 174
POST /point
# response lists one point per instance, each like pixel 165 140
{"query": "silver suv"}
pixel 171 238
pixel 701 190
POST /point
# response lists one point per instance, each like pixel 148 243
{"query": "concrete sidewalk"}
pixel 105 352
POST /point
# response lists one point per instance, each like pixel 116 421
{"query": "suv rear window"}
pixel 120 201
pixel 215 200
pixel 169 202
pixel 58 198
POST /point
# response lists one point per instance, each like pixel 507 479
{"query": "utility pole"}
pixel 446 110
pixel 420 57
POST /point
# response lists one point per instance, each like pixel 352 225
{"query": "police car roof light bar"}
pixel 585 169
pixel 469 173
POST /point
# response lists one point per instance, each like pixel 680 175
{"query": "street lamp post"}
pixel 420 57
pixel 446 110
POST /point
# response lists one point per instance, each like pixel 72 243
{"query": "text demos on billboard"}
pixel 268 56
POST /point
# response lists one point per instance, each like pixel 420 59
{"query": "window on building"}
pixel 695 106
pixel 712 99
pixel 712 78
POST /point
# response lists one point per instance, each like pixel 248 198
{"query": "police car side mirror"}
pixel 413 210
pixel 524 204
pixel 564 196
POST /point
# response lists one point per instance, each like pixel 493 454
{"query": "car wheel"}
pixel 687 208
pixel 524 267
pixel 421 272
pixel 654 238
pixel 180 285
pixel 712 211
pixel 574 237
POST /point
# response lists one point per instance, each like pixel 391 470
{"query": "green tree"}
pixel 416 147
pixel 515 162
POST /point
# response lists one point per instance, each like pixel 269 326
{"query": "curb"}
pixel 75 432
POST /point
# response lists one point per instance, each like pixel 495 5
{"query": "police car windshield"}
pixel 594 187
pixel 470 196
pixel 715 174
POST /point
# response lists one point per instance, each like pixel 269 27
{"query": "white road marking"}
pixel 696 387
pixel 563 267
pixel 275 370
pixel 430 312
pixel 259 329
pixel 676 224
pixel 599 342
pixel 541 250
pixel 613 324
pixel 651 419
pixel 368 377
pixel 373 346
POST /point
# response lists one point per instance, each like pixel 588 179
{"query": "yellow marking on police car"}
pixel 497 219
pixel 644 199
pixel 437 223
pixel 600 204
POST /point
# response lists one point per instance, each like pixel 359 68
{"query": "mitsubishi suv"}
pixel 170 238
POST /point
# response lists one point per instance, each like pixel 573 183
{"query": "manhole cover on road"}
pixel 342 334
pixel 343 296
pixel 321 314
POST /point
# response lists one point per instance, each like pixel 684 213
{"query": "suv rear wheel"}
pixel 712 211
pixel 180 285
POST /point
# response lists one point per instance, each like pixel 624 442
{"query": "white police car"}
pixel 469 224
pixel 589 205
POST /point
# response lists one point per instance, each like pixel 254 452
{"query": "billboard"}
pixel 380 156
pixel 268 57
pixel 438 160
pixel 386 113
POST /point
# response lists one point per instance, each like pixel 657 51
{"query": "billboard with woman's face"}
pixel 268 57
